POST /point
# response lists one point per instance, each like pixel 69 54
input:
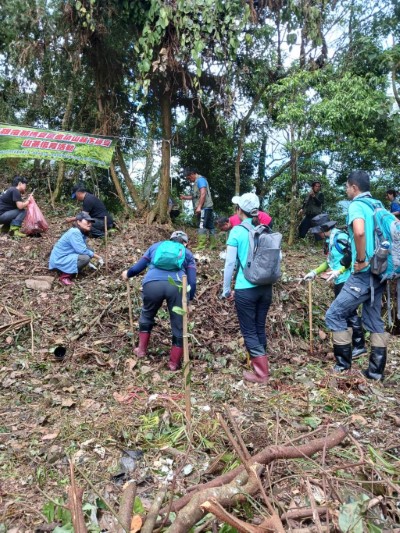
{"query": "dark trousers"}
pixel 154 294
pixel 98 227
pixel 14 217
pixel 252 308
pixel 206 221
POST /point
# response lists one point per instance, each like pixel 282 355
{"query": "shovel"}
pixel 310 316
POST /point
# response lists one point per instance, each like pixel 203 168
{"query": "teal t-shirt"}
pixel 239 238
pixel 334 256
pixel 359 209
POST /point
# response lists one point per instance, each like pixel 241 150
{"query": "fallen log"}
pixel 265 457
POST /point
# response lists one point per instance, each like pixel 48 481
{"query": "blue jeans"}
pixel 206 221
pixel 357 291
pixel 14 217
pixel 252 308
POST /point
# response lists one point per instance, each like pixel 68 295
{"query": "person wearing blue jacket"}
pixel 156 289
pixel 70 254
pixel 338 251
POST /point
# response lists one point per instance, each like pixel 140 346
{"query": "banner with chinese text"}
pixel 33 143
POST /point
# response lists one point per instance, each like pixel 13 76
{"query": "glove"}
pixel 333 275
pixel 310 276
pixel 100 262
pixel 92 266
pixel 224 296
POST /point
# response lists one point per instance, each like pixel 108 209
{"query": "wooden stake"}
pixel 186 360
pixel 310 316
pixel 106 242
pixel 128 293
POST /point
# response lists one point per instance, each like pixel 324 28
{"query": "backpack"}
pixel 169 255
pixel 343 246
pixel 386 228
pixel 263 263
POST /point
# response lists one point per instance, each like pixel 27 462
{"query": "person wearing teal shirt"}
pixel 362 287
pixel 252 302
pixel 338 252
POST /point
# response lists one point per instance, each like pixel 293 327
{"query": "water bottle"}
pixel 380 259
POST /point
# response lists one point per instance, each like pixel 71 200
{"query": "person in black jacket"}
pixel 95 207
pixel 312 206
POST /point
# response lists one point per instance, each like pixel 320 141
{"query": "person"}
pixel 96 209
pixel 338 252
pixel 252 302
pixel 227 223
pixel 13 207
pixel 202 206
pixel 312 206
pixel 173 209
pixel 70 254
pixel 361 287
pixel 391 195
pixel 157 288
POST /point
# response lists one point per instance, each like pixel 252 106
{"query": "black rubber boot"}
pixel 342 354
pixel 377 363
pixel 357 339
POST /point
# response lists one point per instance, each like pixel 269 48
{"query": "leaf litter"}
pixel 101 395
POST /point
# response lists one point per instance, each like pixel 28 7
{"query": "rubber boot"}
pixel 261 370
pixel 65 279
pixel 342 349
pixel 15 232
pixel 358 339
pixel 5 228
pixel 377 358
pixel 144 339
pixel 201 242
pixel 213 242
pixel 175 358
pixel 342 354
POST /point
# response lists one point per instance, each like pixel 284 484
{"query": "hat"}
pixel 321 223
pixel 315 182
pixel 180 235
pixel 84 216
pixel 77 188
pixel 248 202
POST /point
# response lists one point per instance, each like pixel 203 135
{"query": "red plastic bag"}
pixel 34 221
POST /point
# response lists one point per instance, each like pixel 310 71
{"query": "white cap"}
pixel 248 202
pixel 180 234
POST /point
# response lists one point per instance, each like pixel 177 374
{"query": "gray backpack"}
pixel 263 264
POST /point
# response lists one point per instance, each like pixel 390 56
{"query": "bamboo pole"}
pixel 310 315
pixel 186 360
pixel 128 292
pixel 106 243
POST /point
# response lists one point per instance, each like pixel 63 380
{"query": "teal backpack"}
pixel 386 228
pixel 169 255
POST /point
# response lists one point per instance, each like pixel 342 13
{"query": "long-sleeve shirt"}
pixel 158 274
pixel 64 255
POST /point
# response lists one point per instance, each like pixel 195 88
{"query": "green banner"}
pixel 32 143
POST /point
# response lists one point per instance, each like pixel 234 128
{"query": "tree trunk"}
pixel 131 188
pixel 61 165
pixel 160 210
pixel 242 136
pixel 293 195
pixel 118 188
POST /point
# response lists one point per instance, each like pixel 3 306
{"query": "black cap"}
pixel 321 223
pixel 84 216
pixel 77 188
pixel 315 183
